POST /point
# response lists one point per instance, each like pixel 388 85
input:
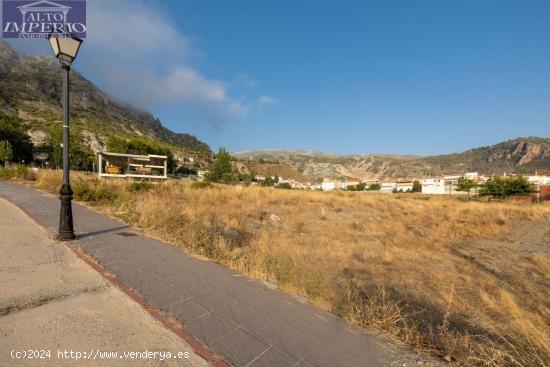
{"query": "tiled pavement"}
pixel 238 318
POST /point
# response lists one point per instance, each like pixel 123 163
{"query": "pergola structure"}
pixel 132 165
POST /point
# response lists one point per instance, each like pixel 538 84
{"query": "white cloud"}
pixel 265 101
pixel 140 56
pixel 135 53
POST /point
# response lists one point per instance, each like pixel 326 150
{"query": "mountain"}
pixel 521 155
pixel 31 88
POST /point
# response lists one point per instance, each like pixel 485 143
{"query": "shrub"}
pixel 359 187
pixel 374 187
pixel 284 185
pixel 140 186
pixel 93 191
pixel 268 182
pixel 502 187
pixel 200 184
pixel 18 172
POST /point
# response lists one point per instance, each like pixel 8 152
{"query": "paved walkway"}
pixel 239 319
pixel 53 302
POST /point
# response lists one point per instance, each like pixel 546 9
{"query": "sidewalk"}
pixel 239 319
pixel 53 302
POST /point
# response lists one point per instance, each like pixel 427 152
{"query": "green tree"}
pixel 221 170
pixel 502 187
pixel 465 184
pixel 13 131
pixel 284 185
pixel 374 187
pixel 417 186
pixel 268 182
pixel 6 152
pixel 81 156
pixel 359 187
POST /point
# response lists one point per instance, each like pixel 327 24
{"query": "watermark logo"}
pixel 38 19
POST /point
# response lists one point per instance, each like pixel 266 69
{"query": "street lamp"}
pixel 65 48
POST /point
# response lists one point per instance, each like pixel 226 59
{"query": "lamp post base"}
pixel 66 231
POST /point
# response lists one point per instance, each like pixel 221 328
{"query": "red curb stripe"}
pixel 198 347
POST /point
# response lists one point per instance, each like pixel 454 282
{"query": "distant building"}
pixel 471 175
pixel 433 186
pixel 388 186
pixel 539 180
pixel 404 186
pixel 441 185
pixel 330 185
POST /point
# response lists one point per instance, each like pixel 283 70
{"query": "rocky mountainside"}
pixel 30 87
pixel 521 155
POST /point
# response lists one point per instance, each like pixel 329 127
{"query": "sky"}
pixel 368 76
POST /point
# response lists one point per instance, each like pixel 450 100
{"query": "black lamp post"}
pixel 65 49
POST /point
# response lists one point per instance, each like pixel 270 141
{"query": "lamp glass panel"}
pixel 69 47
pixel 66 58
pixel 55 46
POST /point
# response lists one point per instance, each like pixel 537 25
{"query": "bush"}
pixel 93 191
pixel 200 184
pixel 284 185
pixel 417 186
pixel 18 172
pixel 268 182
pixel 502 187
pixel 140 186
pixel 374 187
pixel 359 187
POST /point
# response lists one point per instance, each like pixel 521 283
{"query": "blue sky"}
pixel 418 77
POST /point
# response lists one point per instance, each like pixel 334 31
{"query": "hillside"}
pixel 521 155
pixel 30 87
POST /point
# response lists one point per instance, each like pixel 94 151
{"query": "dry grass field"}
pixel 465 280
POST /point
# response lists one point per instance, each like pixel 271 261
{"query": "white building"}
pixel 330 185
pixel 389 186
pixel 441 185
pixel 433 186
pixel 539 180
pixel 471 175
pixel 404 186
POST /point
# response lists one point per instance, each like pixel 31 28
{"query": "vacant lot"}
pixel 468 281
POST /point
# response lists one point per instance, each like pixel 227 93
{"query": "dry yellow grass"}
pixel 462 279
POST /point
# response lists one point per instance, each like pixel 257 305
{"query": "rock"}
pixel 447 358
pixel 270 284
pixel 274 218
